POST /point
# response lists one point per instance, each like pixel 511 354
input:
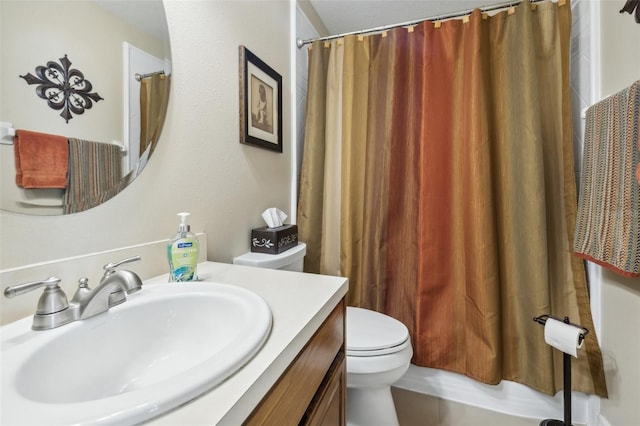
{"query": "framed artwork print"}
pixel 260 103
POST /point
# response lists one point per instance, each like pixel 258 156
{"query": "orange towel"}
pixel 41 160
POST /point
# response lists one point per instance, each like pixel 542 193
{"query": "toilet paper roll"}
pixel 562 336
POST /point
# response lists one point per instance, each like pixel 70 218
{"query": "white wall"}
pixel 620 301
pixel 199 165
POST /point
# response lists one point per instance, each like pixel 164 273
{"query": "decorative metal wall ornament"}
pixel 63 88
pixel 629 6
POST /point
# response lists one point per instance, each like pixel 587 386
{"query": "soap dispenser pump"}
pixel 182 252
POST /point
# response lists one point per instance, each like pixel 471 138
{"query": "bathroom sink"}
pixel 164 346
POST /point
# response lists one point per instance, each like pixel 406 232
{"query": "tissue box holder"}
pixel 274 240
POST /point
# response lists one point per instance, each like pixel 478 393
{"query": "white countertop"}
pixel 299 304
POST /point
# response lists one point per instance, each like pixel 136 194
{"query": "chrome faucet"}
pixel 110 290
pixel 54 310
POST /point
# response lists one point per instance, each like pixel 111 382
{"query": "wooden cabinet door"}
pixel 328 407
pixel 288 401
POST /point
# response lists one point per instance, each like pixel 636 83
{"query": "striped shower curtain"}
pixel 154 98
pixel 438 177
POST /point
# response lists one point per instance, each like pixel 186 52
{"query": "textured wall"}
pixel 620 66
pixel 604 60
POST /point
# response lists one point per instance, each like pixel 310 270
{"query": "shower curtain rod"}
pixel 300 42
pixel 141 76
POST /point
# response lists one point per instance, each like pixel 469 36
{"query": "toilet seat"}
pixel 371 333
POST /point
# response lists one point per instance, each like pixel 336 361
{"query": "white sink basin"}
pixel 164 346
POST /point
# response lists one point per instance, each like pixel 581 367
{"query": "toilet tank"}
pixel 290 260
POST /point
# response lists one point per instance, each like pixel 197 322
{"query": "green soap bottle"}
pixel 182 252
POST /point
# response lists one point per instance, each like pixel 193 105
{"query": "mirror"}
pixel 121 49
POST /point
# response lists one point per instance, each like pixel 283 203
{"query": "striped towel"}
pixel 608 223
pixel 95 174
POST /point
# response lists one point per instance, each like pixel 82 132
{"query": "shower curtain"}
pixel 438 177
pixel 154 95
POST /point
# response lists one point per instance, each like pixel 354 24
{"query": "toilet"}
pixel 378 349
pixel 289 260
pixel 378 354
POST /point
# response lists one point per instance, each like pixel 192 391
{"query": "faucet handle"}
pixel 110 267
pixel 53 306
pixel 17 290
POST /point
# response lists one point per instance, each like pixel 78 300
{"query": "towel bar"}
pixel 7 132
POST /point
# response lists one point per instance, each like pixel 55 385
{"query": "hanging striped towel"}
pixel 95 174
pixel 608 223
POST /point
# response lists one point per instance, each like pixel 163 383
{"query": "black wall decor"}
pixel 629 6
pixel 63 88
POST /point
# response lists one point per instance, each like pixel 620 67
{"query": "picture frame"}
pixel 260 103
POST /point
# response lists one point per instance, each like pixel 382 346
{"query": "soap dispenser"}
pixel 182 252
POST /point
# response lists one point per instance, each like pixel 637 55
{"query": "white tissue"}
pixel 562 336
pixel 274 217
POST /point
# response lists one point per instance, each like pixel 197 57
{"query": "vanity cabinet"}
pixel 312 391
pixel 328 406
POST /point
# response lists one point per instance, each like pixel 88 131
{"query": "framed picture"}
pixel 260 103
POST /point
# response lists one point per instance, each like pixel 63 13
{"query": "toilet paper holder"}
pixel 566 367
pixel 542 319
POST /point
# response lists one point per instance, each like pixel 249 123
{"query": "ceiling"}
pixel 343 16
pixel 148 15
pixel 338 16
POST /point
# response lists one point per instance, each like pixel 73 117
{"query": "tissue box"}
pixel 274 240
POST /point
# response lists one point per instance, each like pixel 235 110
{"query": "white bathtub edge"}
pixel 507 397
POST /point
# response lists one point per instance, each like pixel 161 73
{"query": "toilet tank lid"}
pixel 272 261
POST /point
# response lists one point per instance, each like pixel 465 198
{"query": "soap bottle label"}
pixel 183 260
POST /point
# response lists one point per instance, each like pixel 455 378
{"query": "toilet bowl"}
pixel 378 354
pixel 378 349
